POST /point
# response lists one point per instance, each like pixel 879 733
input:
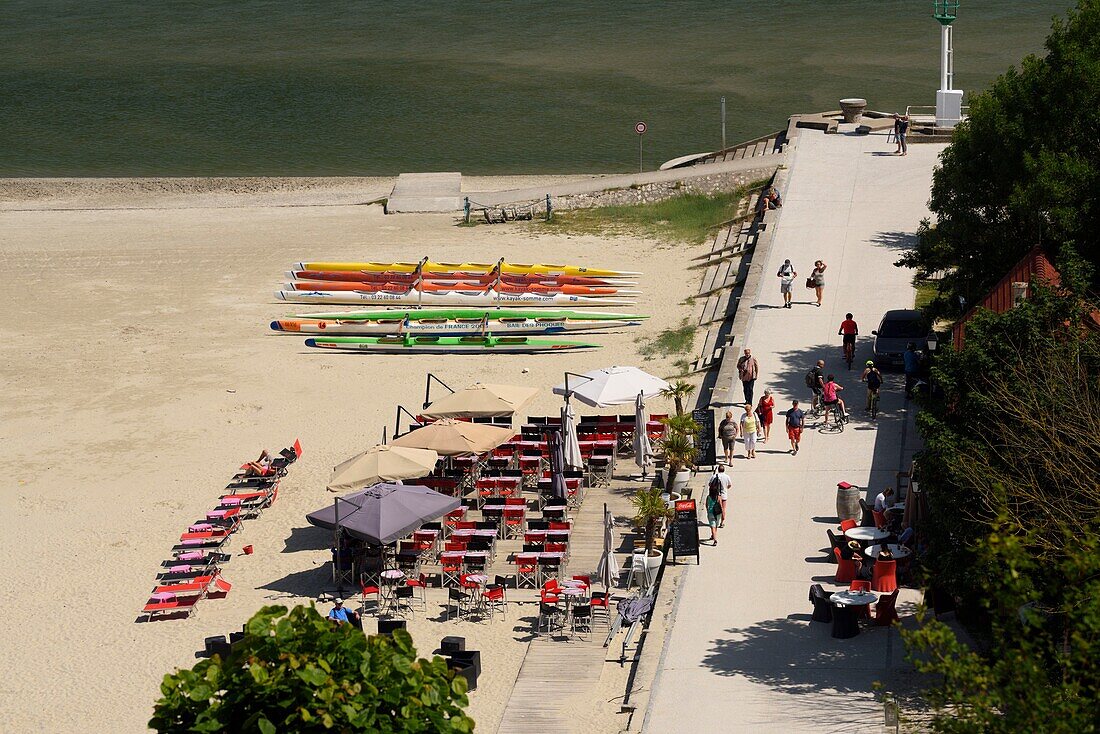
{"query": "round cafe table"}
pixel 847 608
pixel 866 535
pixel 477 578
pixel 898 551
pixel 896 507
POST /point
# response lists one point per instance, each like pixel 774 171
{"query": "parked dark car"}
pixel 896 330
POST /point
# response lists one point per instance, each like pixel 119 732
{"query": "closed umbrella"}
pixel 382 513
pixel 613 386
pixel 384 463
pixel 572 446
pixel 643 450
pixel 557 462
pixel 482 401
pixel 608 570
pixel 452 438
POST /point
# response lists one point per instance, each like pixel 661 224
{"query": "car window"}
pixel 903 329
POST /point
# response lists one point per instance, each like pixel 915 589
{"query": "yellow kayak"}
pixel 521 268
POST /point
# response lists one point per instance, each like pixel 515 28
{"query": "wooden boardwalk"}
pixel 557 669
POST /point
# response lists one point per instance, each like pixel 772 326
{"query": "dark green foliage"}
pixel 1023 170
pixel 298 672
pixel 1010 468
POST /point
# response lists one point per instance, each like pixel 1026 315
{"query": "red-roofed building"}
pixel 1035 266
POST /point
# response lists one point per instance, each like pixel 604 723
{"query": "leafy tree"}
pixel 298 672
pixel 651 508
pixel 1022 170
pixel 1012 451
pixel 678 392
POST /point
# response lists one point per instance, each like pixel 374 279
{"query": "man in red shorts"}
pixel 796 421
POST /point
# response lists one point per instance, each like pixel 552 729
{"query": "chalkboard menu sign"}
pixel 685 530
pixel 704 440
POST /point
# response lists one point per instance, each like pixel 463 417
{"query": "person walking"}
pixel 901 130
pixel 796 421
pixel 749 427
pixel 726 483
pixel 912 368
pixel 764 410
pixel 818 278
pixel 786 276
pixel 727 432
pixel 713 503
pixel 747 370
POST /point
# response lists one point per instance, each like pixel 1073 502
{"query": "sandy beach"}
pixel 139 372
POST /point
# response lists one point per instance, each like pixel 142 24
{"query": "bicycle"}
pixel 849 353
pixel 838 418
pixel 872 402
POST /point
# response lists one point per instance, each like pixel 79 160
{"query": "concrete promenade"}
pixel 742 654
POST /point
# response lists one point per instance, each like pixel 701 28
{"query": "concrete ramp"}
pixel 426 192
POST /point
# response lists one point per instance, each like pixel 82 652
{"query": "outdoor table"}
pixel 571 594
pixel 896 507
pixel 390 578
pixel 899 551
pixel 853 598
pixel 541 534
pixel 847 608
pixel 477 578
pixel 474 532
pixel 866 535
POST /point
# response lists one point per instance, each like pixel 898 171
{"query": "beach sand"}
pixel 139 372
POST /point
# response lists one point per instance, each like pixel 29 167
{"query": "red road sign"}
pixel 640 128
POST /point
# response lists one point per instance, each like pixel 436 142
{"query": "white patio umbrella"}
pixel 572 447
pixel 608 570
pixel 643 449
pixel 613 386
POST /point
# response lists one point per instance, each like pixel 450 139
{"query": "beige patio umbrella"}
pixel 451 438
pixel 384 463
pixel 482 400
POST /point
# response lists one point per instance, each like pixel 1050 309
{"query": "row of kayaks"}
pixel 433 284
pixel 454 308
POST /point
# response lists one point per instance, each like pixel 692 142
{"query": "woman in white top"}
pixel 750 424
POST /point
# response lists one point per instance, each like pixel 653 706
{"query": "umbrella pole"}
pixel 336 540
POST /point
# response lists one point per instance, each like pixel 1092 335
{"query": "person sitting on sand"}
pixel 340 615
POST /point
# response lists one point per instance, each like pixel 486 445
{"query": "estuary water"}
pixel 285 87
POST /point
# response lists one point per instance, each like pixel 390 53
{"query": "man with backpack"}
pixel 786 276
pixel 873 378
pixel 815 380
pixel 717 494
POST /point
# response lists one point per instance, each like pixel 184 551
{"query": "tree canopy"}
pixel 1012 452
pixel 299 672
pixel 1023 169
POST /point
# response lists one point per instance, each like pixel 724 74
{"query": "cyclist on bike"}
pixel 849 330
pixel 873 378
pixel 815 380
pixel 830 393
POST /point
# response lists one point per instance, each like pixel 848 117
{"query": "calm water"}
pixel 114 87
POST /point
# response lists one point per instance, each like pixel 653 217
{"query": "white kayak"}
pixel 487 297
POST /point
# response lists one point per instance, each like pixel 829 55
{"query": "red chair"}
pixel 845 568
pixel 559 525
pixel 454 545
pixel 886 611
pixel 493 599
pixel 846 525
pixel 859 585
pixel 884 579
pixel 420 583
pixel 368 591
pixel 548 593
pixel 880 519
pixel 527 572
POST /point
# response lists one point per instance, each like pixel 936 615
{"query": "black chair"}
pixel 217 646
pixel 235 637
pixel 533 547
pixel 548 613
pixel 460 601
pixel 845 621
pixel 402 599
pixel 538 524
pixel 580 617
pixel 451 644
pixel 867 519
pixel 466 670
pixel 472 657
pixel 485 525
pixel 836 543
pixel 387 626
pixel 823 608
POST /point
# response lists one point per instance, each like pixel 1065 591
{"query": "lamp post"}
pixel 948 99
pixel 932 341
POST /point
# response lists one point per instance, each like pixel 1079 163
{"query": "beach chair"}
pixel 170 606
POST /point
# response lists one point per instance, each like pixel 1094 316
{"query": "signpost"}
pixel 640 128
pixel 723 123
pixel 685 531
pixel 704 440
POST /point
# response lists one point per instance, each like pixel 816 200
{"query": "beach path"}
pixel 742 654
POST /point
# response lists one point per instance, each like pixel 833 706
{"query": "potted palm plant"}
pixel 680 452
pixel 678 392
pixel 651 509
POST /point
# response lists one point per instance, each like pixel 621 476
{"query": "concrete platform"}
pixel 426 192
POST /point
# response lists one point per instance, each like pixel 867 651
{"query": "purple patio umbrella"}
pixel 382 513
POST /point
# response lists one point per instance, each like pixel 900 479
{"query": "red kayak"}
pixel 479 278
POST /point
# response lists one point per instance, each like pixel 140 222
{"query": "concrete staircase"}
pixel 764 145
